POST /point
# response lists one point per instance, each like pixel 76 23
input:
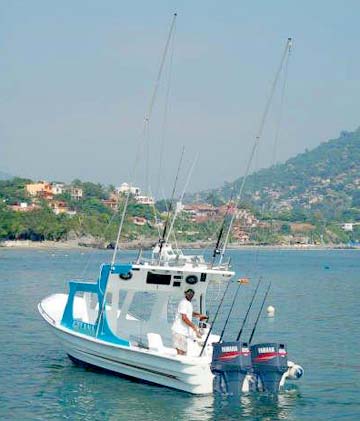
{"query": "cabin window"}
pixel 122 296
pixel 86 307
pixel 142 305
pixel 109 298
pixel 158 278
pixel 93 300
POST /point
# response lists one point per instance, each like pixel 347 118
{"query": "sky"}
pixel 77 77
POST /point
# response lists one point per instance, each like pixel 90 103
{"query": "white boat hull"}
pixel 188 374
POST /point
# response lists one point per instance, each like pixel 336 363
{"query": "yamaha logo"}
pixel 266 349
pixel 229 348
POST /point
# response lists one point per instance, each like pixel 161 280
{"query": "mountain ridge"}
pixel 325 179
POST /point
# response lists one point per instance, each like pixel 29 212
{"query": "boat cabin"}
pixel 131 301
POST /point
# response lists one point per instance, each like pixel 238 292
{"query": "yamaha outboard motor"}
pixel 231 362
pixel 269 362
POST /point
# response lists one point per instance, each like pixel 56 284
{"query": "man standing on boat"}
pixel 183 322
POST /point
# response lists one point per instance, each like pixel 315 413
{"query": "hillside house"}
pixel 240 235
pixel 125 188
pixel 110 203
pixel 145 200
pixel 347 226
pixel 76 193
pixel 41 189
pixel 58 188
pixel 24 207
pixel 139 220
pixel 59 207
pixel 201 212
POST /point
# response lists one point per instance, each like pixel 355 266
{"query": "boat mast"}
pixel 285 56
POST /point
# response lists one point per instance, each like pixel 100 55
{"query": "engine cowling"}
pixel 231 362
pixel 269 361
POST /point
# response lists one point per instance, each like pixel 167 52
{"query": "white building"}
pixel 125 187
pixel 179 207
pixel 76 193
pixel 347 226
pixel 58 188
pixel 145 200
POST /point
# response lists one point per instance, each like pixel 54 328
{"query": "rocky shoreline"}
pixel 147 244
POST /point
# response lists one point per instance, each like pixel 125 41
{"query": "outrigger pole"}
pixel 217 245
pixel 163 238
pixel 215 317
pixel 258 316
pixel 181 197
pixel 286 54
pixel 145 125
pixel 248 311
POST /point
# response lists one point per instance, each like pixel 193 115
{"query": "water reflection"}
pixel 257 406
pixel 79 393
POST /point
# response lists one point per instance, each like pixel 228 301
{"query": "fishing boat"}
pixel 95 324
pixel 122 323
pixel 123 342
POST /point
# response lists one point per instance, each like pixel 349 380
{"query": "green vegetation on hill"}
pixel 305 200
pixel 89 216
pixel 322 183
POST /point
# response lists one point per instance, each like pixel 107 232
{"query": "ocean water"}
pixel 316 296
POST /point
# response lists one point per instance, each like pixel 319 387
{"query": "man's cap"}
pixel 189 290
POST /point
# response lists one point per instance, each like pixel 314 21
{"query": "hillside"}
pixel 324 181
pixel 313 198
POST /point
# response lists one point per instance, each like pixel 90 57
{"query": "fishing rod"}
pixel 213 322
pixel 258 316
pixel 248 310
pixel 217 245
pixel 230 311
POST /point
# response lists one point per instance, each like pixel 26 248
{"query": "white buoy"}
pixel 270 311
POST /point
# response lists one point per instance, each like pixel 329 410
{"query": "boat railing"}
pixel 195 261
pixel 45 314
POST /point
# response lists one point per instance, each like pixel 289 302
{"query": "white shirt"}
pixel 179 326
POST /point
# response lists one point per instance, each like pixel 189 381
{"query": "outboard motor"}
pixel 269 361
pixel 231 362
